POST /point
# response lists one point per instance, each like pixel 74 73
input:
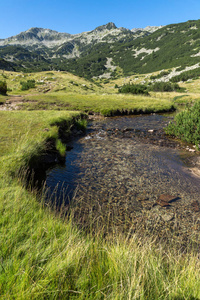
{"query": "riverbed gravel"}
pixel 126 175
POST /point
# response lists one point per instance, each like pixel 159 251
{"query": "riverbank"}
pixel 44 255
pixel 128 176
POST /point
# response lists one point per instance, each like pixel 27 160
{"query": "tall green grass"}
pixel 44 256
pixel 25 136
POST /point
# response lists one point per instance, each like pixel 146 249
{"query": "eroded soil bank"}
pixel 128 175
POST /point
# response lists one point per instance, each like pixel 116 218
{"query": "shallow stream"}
pixel 118 170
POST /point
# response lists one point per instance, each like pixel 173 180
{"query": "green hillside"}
pixel 175 45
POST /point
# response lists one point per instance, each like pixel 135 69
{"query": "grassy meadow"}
pixel 43 255
pixel 63 91
pixel 107 105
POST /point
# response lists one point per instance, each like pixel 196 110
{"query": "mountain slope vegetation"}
pixel 86 54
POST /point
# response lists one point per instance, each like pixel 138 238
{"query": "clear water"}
pixel 107 166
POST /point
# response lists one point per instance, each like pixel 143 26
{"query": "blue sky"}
pixel 76 16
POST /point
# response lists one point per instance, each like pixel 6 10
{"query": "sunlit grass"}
pixel 64 91
pixel 44 256
pixel 17 127
pixel 47 81
pixel 29 136
pixel 106 104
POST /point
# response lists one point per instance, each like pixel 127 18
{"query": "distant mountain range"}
pixel 39 37
pixel 106 51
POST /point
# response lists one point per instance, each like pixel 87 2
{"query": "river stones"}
pixel 162 203
pixel 195 206
pixel 165 200
pixel 126 181
pixel 167 217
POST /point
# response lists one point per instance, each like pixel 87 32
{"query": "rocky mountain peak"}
pixel 108 26
pixel 35 30
pixel 37 35
pixel 41 34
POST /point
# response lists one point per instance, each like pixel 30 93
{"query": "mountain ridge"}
pixel 40 33
pixel 107 51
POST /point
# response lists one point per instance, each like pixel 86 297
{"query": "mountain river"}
pixel 125 171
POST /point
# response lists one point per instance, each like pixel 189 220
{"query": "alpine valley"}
pixel 100 163
pixel 106 51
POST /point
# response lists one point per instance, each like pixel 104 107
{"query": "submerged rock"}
pixel 162 203
pixel 196 206
pixel 167 198
pixel 167 217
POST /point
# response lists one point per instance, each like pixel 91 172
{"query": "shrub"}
pixel 134 89
pixel 3 87
pixel 161 74
pixel 191 74
pixel 165 87
pixel 156 87
pixel 187 125
pixel 26 85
